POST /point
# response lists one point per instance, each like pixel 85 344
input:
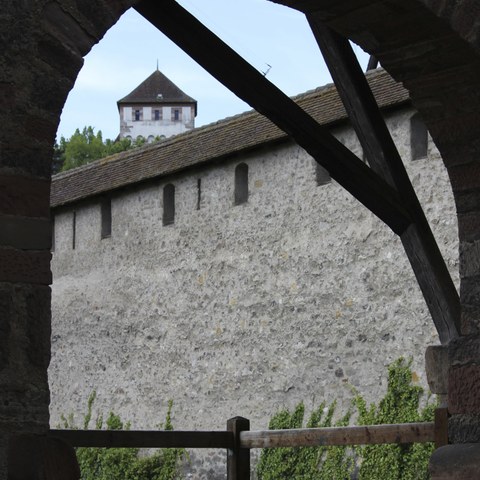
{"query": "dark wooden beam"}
pixel 372 63
pixel 250 85
pixel 145 438
pixel 418 240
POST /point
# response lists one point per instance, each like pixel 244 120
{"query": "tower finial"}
pixel 157 63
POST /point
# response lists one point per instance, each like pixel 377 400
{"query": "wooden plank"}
pixel 418 240
pixel 145 438
pixel 238 458
pixel 250 85
pixel 441 427
pixel 366 435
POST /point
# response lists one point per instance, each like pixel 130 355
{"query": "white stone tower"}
pixel 157 107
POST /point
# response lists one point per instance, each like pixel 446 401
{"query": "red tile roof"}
pixel 205 144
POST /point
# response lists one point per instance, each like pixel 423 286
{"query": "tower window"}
pixel 176 114
pixel 157 114
pixel 168 204
pixel 418 137
pixel 137 114
pixel 106 214
pixel 322 175
pixel 241 183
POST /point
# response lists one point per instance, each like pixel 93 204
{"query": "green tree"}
pixel 86 146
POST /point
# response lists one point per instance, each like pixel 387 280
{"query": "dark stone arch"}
pixel 431 46
pixel 42 45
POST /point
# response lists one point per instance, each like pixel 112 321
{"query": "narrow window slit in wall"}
pixel 241 183
pixel 418 137
pixel 321 174
pixel 74 229
pixel 168 204
pixel 106 217
pixel 199 193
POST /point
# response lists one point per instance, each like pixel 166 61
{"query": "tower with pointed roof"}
pixel 157 107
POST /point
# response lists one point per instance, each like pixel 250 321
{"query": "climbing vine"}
pixel 401 404
pixel 125 463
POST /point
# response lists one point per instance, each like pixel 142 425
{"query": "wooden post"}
pixel 238 459
pixel 441 427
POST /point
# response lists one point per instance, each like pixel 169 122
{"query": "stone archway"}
pixel 432 47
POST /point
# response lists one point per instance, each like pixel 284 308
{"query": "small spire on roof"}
pixel 157 64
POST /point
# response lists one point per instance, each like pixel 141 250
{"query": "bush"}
pixel 125 463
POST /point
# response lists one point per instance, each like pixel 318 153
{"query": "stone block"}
pixel 464 350
pixel 66 29
pixel 465 177
pixel 19 266
pixel 25 327
pixel 25 233
pixel 41 129
pixel 38 326
pixel 464 429
pixel 455 462
pixel 34 456
pixel 464 389
pixel 25 196
pixel 467 201
pixel 5 319
pixel 24 157
pixel 469 226
pixel 470 259
pixel 470 320
pixel 65 62
pixel 436 366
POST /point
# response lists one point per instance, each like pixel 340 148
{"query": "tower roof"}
pixel 157 88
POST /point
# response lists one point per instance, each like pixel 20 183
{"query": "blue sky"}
pixel 262 32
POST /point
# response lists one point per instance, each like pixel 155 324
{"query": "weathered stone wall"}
pixel 298 294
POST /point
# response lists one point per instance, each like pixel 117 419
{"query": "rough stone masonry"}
pixel 298 294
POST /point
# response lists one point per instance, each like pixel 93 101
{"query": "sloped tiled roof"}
pixel 157 88
pixel 208 143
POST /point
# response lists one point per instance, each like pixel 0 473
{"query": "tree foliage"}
pixel 85 146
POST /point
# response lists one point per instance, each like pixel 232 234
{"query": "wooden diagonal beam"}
pixel 418 240
pixel 250 85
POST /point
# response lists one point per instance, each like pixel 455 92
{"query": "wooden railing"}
pixel 238 439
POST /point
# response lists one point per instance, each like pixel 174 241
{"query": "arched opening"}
pixel 461 173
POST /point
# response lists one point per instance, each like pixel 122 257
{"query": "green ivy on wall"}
pixel 401 404
pixel 125 463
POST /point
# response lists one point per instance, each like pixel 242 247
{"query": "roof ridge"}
pixel 157 88
pixel 218 139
